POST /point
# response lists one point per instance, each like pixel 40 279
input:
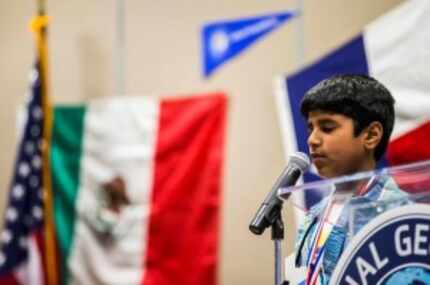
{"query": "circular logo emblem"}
pixel 392 249
pixel 219 43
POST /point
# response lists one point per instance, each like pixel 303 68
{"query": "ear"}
pixel 373 135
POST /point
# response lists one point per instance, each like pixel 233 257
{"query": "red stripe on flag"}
pixel 40 241
pixel 410 147
pixel 9 279
pixel 184 220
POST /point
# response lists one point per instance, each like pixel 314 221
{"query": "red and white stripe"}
pixel 398 55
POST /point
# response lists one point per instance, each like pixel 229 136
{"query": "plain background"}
pixel 163 59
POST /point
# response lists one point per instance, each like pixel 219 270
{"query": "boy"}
pixel 350 119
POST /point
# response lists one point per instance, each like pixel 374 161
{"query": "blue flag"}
pixel 224 40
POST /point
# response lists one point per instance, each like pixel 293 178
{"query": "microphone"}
pixel 270 209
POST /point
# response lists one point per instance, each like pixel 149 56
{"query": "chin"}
pixel 324 173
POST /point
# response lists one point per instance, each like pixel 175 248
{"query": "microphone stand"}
pixel 277 237
pixel 269 213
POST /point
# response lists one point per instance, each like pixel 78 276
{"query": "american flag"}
pixel 21 255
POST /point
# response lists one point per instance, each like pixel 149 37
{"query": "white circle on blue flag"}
pixel 394 248
pixel 6 236
pixel 35 130
pixel 24 169
pixel 11 214
pixel 34 181
pixel 37 212
pixel 36 162
pixel 18 191
pixel 22 242
pixel 37 113
pixel 219 43
pixel 29 148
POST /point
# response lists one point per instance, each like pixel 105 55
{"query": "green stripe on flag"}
pixel 66 150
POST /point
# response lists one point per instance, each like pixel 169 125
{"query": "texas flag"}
pixel 394 49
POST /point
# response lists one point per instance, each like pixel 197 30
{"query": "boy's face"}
pixel 334 149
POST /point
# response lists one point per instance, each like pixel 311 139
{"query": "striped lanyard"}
pixel 331 214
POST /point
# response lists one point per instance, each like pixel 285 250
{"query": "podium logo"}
pixel 392 249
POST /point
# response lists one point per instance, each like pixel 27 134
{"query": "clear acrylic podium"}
pixel 374 228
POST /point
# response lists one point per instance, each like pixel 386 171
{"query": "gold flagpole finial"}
pixel 40 21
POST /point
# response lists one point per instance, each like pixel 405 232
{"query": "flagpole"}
pixel 300 34
pixel 41 7
pixel 39 26
pixel 120 47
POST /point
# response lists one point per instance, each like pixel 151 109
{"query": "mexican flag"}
pixel 137 189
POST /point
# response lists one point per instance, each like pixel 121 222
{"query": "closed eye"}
pixel 327 126
pixel 327 130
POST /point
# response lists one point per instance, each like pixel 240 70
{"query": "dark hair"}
pixel 359 97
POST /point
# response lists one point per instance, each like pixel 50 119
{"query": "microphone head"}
pixel 301 160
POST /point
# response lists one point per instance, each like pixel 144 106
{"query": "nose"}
pixel 314 140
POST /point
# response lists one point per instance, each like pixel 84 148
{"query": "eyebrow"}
pixel 322 121
pixel 327 121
